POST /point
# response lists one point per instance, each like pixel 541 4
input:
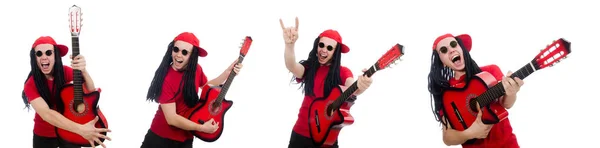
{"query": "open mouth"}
pixel 179 61
pixel 455 59
pixel 322 56
pixel 45 65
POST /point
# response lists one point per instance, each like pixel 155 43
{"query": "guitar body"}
pixel 457 108
pixel 206 111
pixel 91 110
pixel 325 127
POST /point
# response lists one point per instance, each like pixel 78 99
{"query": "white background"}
pixel 124 42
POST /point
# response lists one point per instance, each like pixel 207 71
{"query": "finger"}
pixel 519 81
pixel 297 24
pixel 101 136
pixel 512 82
pixel 91 143
pixel 99 142
pixel 281 23
pixel 509 73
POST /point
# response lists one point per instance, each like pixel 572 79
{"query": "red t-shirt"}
pixel 41 127
pixel 501 134
pixel 172 93
pixel 301 126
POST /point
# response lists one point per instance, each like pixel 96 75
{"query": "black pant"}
pixel 49 142
pixel 299 141
pixel 154 141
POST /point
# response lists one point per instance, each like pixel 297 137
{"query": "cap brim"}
pixel 202 52
pixel 62 49
pixel 466 40
pixel 345 49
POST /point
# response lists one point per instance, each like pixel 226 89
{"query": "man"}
pixel 319 74
pixel 42 91
pixel 452 66
pixel 175 87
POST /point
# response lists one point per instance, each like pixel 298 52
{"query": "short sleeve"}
pixel 494 70
pixel 168 92
pixel 345 73
pixel 68 71
pixel 30 89
pixel 298 80
pixel 200 76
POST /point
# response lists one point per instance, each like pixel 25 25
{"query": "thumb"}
pixel 95 120
pixel 479 114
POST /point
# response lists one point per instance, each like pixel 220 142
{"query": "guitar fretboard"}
pixel 497 90
pixel 350 90
pixel 228 82
pixel 77 76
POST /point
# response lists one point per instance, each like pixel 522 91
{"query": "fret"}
pixel 350 90
pixel 228 82
pixel 497 90
pixel 77 76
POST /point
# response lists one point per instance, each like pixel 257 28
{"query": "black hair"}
pixel 312 64
pixel 439 76
pixel 188 80
pixel 41 82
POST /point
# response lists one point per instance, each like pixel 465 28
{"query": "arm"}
pixel 349 82
pixel 55 118
pixel 177 120
pixel 508 101
pixel 89 83
pixel 453 137
pixel 220 79
pixel 290 61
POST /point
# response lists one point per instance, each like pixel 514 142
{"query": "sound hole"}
pixel 471 100
pixel 329 110
pixel 78 108
pixel 214 108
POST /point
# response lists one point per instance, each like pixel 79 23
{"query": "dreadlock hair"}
pixel 439 77
pixel 312 65
pixel 41 82
pixel 190 94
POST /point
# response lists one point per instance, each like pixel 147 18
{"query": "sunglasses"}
pixel 39 53
pixel 329 47
pixel 444 49
pixel 176 50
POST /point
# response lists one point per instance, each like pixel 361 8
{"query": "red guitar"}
pixel 327 116
pixel 460 104
pixel 78 106
pixel 217 106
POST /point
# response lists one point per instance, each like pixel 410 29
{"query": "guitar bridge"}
pixel 317 121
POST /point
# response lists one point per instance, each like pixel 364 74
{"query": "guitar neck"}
pixel 497 90
pixel 350 90
pixel 77 76
pixel 228 82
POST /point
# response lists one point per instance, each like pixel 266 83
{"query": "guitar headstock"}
pixel 390 57
pixel 75 20
pixel 245 45
pixel 552 54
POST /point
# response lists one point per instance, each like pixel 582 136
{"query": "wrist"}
pixel 467 134
pixel 78 129
pixel 199 127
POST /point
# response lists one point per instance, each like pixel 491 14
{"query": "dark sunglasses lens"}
pixel 444 49
pixel 38 53
pixel 321 45
pixel 175 49
pixel 48 52
pixel 329 48
pixel 453 44
pixel 184 52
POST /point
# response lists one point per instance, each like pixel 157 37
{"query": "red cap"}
pixel 465 38
pixel 332 34
pixel 49 40
pixel 191 38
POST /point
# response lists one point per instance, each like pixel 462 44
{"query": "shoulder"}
pixel 30 82
pixel 494 70
pixel 345 72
